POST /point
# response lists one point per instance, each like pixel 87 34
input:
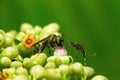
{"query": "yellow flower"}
pixel 28 41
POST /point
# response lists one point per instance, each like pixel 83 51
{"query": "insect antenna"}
pixel 79 47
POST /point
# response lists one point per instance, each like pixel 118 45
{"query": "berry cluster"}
pixel 18 61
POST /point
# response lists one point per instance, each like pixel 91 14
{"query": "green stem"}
pixel 34 78
pixel 64 77
pixel 83 77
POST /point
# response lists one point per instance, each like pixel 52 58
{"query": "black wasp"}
pixel 79 47
pixel 51 41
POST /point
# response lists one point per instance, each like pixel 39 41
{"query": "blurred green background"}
pixel 95 23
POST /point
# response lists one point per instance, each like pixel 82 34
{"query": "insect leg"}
pixel 49 48
pixel 41 48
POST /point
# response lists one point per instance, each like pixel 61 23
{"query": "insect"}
pixel 3 76
pixel 51 41
pixel 79 47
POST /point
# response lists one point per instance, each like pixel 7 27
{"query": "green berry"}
pixel 39 58
pixel 20 77
pixel 24 51
pixel 77 68
pixel 11 34
pixel 51 59
pixel 25 26
pixel 42 58
pixel 37 38
pixel 88 71
pixel 20 36
pixel 21 71
pixel 34 59
pixel 16 64
pixel 37 71
pixel 10 52
pixel 10 71
pixel 50 65
pixel 2 38
pixel 19 58
pixel 37 30
pixel 57 61
pixel 5 61
pixel 50 28
pixel 8 41
pixel 30 32
pixel 52 74
pixel 64 69
pixel 27 63
pixel 65 60
pixel 99 77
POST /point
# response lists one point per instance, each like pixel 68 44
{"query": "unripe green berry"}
pixel 10 71
pixel 2 38
pixel 77 68
pixel 57 61
pixel 21 71
pixel 52 74
pixel 26 26
pixel 19 58
pixel 99 77
pixel 39 58
pixel 50 65
pixel 5 61
pixel 24 51
pixel 10 52
pixel 88 71
pixel 27 63
pixel 42 36
pixel 30 32
pixel 11 34
pixel 65 60
pixel 51 59
pixel 37 30
pixel 16 64
pixel 64 69
pixel 50 28
pixel 8 41
pixel 20 36
pixel 42 58
pixel 20 77
pixel 37 71
pixel 37 38
pixel 34 59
